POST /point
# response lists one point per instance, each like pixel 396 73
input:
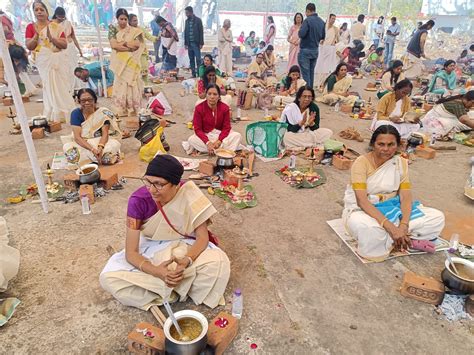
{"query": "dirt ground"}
pixel 304 291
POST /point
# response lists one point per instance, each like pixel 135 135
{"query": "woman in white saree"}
pixel 169 252
pixel 379 211
pixel 95 132
pixel 73 50
pixel 47 41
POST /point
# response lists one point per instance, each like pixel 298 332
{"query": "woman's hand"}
pixel 312 119
pixel 396 119
pixel 171 278
pixel 48 34
pixel 217 144
pixel 399 235
pixel 210 147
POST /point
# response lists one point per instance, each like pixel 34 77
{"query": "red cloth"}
pixel 204 121
pixel 30 31
pixel 157 108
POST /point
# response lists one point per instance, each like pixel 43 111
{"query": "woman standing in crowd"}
pixel 127 48
pixel 270 31
pixel 169 43
pixel 225 47
pixel 145 58
pixel 294 40
pixel 379 209
pixel 73 47
pixel 47 41
pixel 251 44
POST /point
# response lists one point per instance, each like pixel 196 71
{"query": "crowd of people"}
pixel 321 61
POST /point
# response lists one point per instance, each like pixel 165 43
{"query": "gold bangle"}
pixel 383 221
pixel 405 223
pixel 101 146
pixel 141 264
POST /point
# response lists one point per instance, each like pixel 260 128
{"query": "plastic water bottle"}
pixel 239 113
pixel 86 208
pixel 292 163
pixel 453 243
pixel 433 139
pixel 266 112
pixel 100 89
pixel 237 304
pixel 337 107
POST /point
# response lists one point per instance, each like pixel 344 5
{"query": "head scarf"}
pixel 166 167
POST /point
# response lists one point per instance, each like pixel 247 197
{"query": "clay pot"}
pixel 455 283
pixel 193 347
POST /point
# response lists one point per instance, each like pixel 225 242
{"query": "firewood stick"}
pixel 160 317
pixel 443 147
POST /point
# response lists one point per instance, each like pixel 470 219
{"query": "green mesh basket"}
pixel 266 137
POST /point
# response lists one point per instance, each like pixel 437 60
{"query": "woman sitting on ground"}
pixel 168 252
pixel 371 50
pixel 212 129
pixel 451 115
pixel 391 77
pixel 210 77
pixel 302 117
pixel 96 134
pixel 379 210
pixel 290 85
pixel 444 81
pixel 392 108
pixel 207 61
pixel 270 65
pixel 256 75
pixel 375 61
pixel 251 44
pixel 336 87
pixel 351 56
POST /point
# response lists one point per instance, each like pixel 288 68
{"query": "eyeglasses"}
pixel 85 101
pixel 156 185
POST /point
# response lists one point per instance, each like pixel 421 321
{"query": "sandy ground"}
pixel 304 291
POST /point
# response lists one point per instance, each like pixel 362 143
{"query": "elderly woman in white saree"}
pixel 302 117
pixel 95 132
pixel 169 252
pixel 47 42
pixel 379 211
pixel 73 50
pixel 336 87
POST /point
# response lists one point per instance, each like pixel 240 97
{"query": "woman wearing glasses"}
pixel 95 132
pixel 169 252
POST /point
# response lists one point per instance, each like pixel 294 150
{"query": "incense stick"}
pixel 451 262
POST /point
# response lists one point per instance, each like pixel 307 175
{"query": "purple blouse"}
pixel 141 205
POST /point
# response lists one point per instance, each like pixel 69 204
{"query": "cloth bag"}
pixel 266 137
pixel 149 150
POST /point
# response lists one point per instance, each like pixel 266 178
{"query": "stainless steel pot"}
pixel 88 174
pixel 225 158
pixel 39 121
pixel 456 283
pixel 193 347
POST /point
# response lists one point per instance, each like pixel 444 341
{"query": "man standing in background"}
pixel 155 31
pixel 358 29
pixel 311 33
pixel 193 38
pixel 392 32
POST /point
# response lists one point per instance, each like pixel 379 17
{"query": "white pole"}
pixel 101 51
pixel 22 119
